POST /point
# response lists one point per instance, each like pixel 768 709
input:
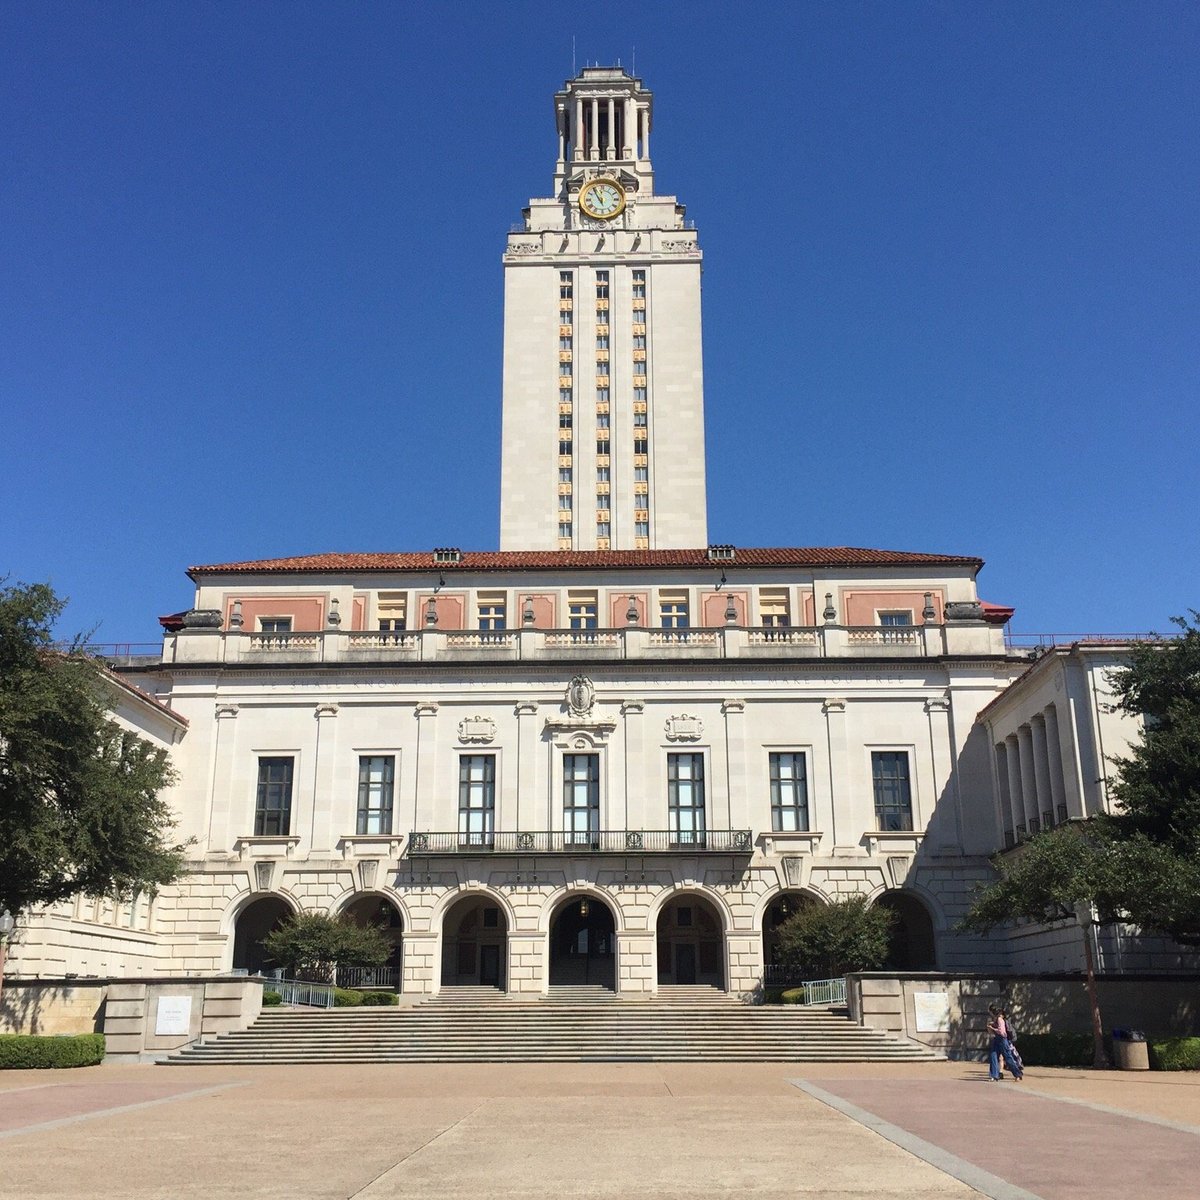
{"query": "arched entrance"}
pixel 691 943
pixel 778 910
pixel 911 946
pixel 474 941
pixel 254 922
pixel 583 944
pixel 373 909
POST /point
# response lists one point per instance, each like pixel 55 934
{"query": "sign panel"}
pixel 932 1011
pixel 174 1015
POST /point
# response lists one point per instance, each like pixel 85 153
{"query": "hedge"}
pixel 1175 1054
pixel 271 999
pixel 1056 1049
pixel 346 998
pixel 379 999
pixel 20 1051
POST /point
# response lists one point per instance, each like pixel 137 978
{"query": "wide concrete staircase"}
pixel 571 1024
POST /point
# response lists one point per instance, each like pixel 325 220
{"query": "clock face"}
pixel 602 198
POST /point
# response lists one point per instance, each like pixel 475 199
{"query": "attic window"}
pixel 721 553
pixel 447 554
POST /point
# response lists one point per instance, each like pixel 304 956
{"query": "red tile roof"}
pixel 582 560
pixel 996 614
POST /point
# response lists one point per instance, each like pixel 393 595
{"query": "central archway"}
pixel 583 944
pixel 690 941
pixel 374 910
pixel 781 907
pixel 474 944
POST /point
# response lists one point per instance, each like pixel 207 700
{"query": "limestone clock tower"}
pixel 603 443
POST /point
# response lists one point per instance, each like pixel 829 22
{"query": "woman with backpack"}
pixel 997 1027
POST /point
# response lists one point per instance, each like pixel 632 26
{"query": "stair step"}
pixel 573 1023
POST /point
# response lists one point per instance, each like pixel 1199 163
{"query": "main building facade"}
pixel 608 754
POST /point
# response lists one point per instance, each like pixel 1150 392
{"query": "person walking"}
pixel 997 1028
pixel 1010 1035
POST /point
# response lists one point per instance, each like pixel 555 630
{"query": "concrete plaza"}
pixel 595 1130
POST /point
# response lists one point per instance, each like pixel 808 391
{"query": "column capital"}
pixel 733 706
pixel 833 704
pixel 427 708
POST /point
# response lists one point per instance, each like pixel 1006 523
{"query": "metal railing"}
pixel 301 991
pixel 817 992
pixel 369 977
pixel 1047 640
pixel 603 841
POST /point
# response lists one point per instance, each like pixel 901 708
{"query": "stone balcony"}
pixel 600 841
pixel 432 645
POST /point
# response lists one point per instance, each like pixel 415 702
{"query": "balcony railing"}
pixel 431 644
pixel 604 841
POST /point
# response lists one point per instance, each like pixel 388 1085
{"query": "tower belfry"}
pixel 603 442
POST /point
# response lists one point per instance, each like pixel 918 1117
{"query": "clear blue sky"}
pixel 250 282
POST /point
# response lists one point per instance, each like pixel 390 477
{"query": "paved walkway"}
pixel 689 1130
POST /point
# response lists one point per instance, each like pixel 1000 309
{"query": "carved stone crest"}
pixel 581 696
pixel 684 728
pixel 476 729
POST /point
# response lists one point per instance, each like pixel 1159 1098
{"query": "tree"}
pixel 1053 877
pixel 313 946
pixel 830 940
pixel 80 804
pixel 1155 826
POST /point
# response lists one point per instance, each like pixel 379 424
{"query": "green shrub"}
pixel 1175 1054
pixel 346 998
pixel 828 940
pixel 1056 1049
pixel 271 999
pixel 19 1051
pixel 792 996
pixel 379 999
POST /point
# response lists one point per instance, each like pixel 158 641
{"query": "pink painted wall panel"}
pixel 618 605
pixel 712 607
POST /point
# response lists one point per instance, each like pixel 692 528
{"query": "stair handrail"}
pixel 302 991
pixel 824 992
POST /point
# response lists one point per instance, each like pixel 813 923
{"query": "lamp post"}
pixel 7 922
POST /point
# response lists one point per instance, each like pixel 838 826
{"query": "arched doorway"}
pixel 254 922
pixel 474 942
pixel 373 909
pixel 778 910
pixel 691 943
pixel 911 946
pixel 583 944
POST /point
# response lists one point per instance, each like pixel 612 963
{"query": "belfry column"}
pixel 594 141
pixel 610 151
pixel 577 148
pixel 628 127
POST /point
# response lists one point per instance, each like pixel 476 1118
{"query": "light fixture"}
pixel 583 908
pixel 7 923
pixel 722 581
